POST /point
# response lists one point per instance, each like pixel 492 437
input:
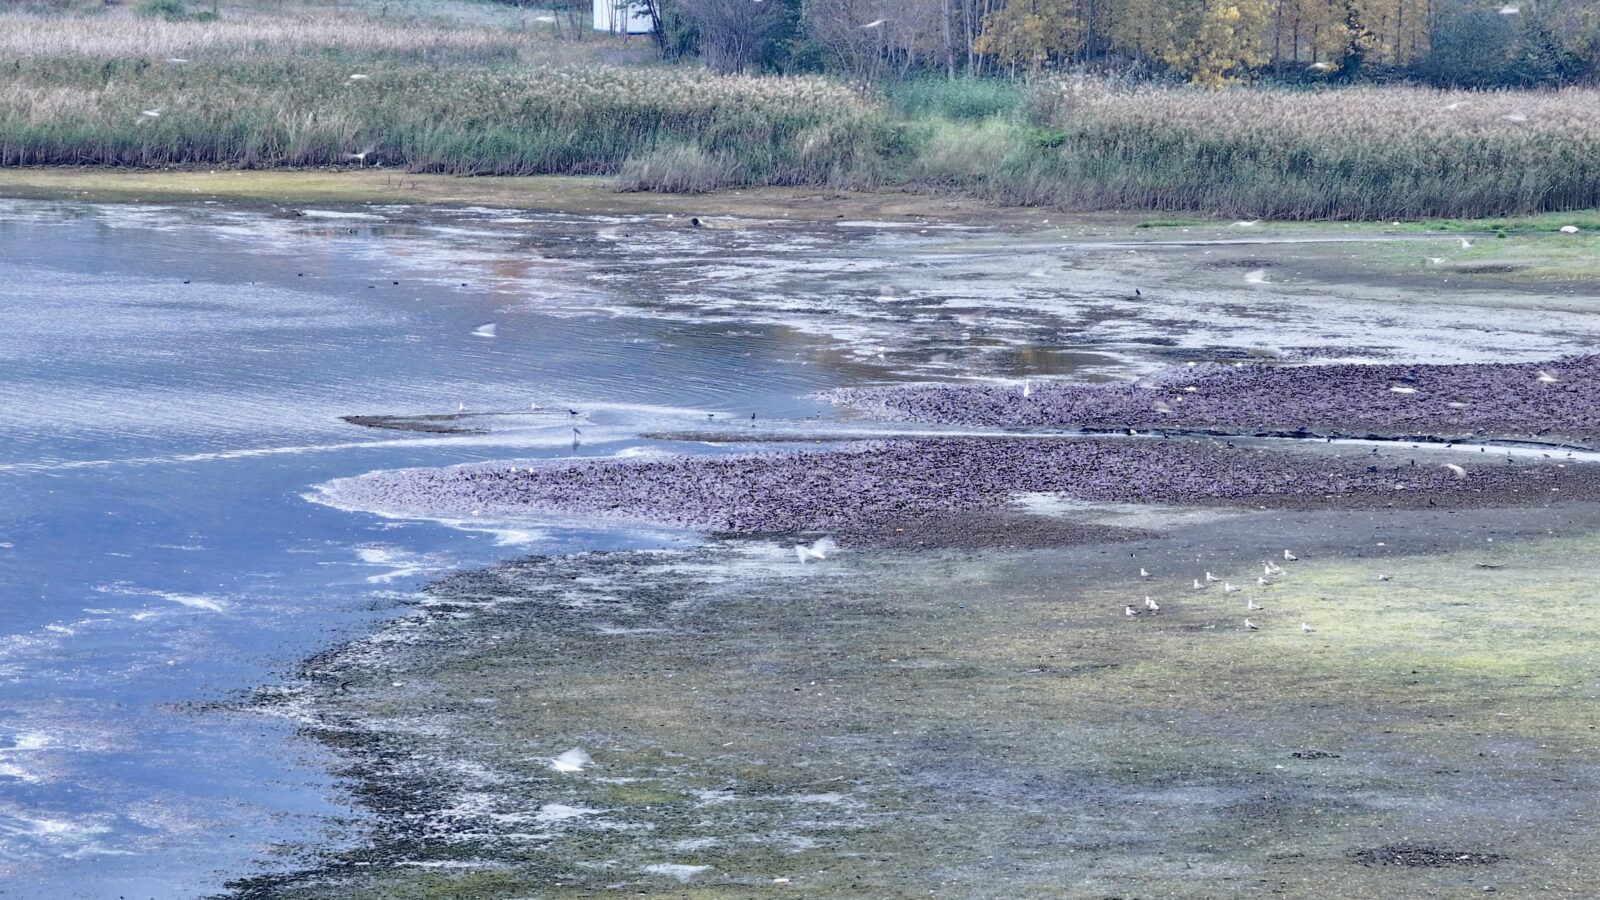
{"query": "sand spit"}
pixel 1558 401
pixel 876 493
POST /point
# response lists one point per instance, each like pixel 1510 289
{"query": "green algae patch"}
pixel 990 724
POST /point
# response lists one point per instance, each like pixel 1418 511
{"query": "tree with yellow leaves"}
pixel 1030 33
pixel 1221 37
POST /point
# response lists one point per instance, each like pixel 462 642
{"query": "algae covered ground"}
pixel 988 724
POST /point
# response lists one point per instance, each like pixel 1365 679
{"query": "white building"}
pixel 622 17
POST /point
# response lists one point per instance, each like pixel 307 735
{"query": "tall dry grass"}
pixel 277 92
pixel 1366 152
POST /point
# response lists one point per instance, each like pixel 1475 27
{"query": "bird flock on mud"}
pixel 1269 570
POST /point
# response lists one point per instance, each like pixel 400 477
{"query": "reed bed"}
pixel 268 90
pixel 523 120
pixel 100 38
pixel 1353 153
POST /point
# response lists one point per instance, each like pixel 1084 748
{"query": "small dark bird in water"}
pixel 186 281
pixel 572 412
pixel 1136 293
pixel 694 222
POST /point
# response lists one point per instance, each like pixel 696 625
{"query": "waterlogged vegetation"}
pixel 779 729
pixel 316 88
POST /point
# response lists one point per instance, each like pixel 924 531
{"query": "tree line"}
pixel 1459 43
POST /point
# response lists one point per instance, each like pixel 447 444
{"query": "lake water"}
pixel 171 387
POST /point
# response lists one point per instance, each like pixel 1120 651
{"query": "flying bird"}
pixel 1250 224
pixel 1459 472
pixel 1257 276
pixel 876 23
pixel 1322 66
pixel 818 549
pixel 1547 378
pixel 1465 244
pixel 1437 260
pixel 570 762
pixel 153 113
pixel 487 329
pixel 1510 9
pixel 1027 389
pixel 358 77
pixel 1403 390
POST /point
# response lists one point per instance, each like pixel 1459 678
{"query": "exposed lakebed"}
pixel 955 702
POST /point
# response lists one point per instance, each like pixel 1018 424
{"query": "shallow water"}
pixel 174 379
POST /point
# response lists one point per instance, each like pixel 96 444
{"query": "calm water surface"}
pixel 171 383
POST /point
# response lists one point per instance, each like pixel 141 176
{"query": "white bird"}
pixel 1144 573
pixel 818 549
pixel 1385 577
pixel 1465 244
pixel 1250 626
pixel 153 113
pixel 358 77
pixel 1306 628
pixel 1252 606
pixel 1250 224
pixel 1228 588
pixel 1515 117
pixel 1271 568
pixel 359 157
pixel 1198 586
pixel 1403 390
pixel 1257 276
pixel 572 761
pixel 1129 611
pixel 1152 605
pixel 1437 260
pixel 1027 389
pixel 876 23
pixel 1322 66
pixel 177 60
pixel 1210 577
pixel 1510 9
pixel 1262 581
pixel 1456 105
pixel 487 329
pixel 1289 556
pixel 1459 472
pixel 1547 378
pixel 1569 229
pixel 545 19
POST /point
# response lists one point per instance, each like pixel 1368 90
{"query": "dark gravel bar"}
pixel 878 491
pixel 1558 401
